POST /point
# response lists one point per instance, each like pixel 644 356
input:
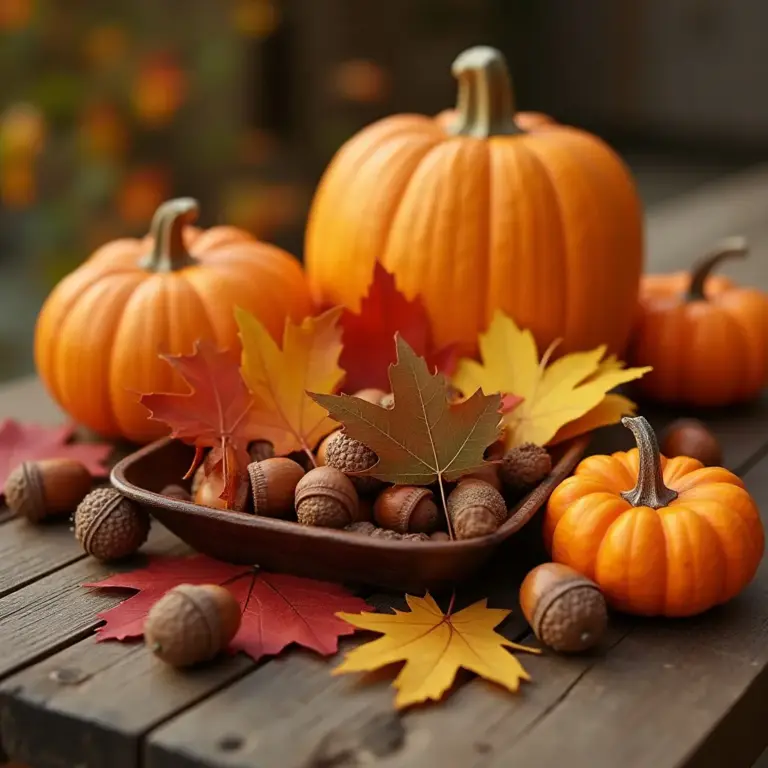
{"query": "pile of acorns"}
pixel 331 494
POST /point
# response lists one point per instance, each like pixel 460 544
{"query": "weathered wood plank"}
pixel 94 702
pixel 55 611
pixel 28 552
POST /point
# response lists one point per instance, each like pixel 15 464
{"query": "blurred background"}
pixel 109 107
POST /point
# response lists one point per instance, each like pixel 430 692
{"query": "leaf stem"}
pixel 308 451
pixel 254 575
pixel 450 605
pixel 445 507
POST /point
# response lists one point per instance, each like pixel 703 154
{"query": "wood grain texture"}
pixel 95 701
pixel 28 552
pixel 55 611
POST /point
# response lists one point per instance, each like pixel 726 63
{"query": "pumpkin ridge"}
pixel 64 393
pixel 116 387
pixel 704 520
pixel 743 331
pixel 389 228
pixel 527 148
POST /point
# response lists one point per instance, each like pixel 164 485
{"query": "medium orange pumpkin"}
pixel 481 209
pixel 705 337
pixel 660 536
pixel 100 331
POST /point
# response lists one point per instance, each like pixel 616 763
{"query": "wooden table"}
pixel 656 694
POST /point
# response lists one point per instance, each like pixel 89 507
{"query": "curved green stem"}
pixel 169 253
pixel 726 249
pixel 485 102
pixel 650 490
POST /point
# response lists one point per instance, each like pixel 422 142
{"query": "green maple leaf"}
pixel 425 437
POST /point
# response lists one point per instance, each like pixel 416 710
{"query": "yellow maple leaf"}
pixel 610 411
pixel 434 646
pixel 279 378
pixel 553 395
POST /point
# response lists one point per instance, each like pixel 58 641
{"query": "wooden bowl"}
pixel 321 553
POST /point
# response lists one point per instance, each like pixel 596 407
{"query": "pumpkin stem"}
pixel 169 253
pixel 485 103
pixel 650 490
pixel 725 249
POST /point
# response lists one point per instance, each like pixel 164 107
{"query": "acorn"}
pixel 349 455
pixel 40 489
pixel 406 509
pixel 110 526
pixel 690 437
pixel 388 401
pixel 525 466
pixel 175 491
pixel 192 623
pixel 273 486
pixel 566 610
pixel 489 473
pixel 475 508
pixel 210 488
pixel 371 395
pixel 322 449
pixel 326 497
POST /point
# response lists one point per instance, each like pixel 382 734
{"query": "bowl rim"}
pixel 573 451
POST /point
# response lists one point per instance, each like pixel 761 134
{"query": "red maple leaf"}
pixel 32 442
pixel 277 609
pixel 214 414
pixel 369 336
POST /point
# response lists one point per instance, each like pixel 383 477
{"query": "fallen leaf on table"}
pixel 279 378
pixel 434 646
pixel 369 333
pixel 217 413
pixel 554 395
pixel 278 609
pixel 21 442
pixel 424 437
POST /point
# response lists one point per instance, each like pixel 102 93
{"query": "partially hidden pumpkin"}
pixel 483 208
pixel 101 330
pixel 661 537
pixel 705 336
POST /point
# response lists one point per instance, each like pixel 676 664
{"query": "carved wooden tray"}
pixel 321 553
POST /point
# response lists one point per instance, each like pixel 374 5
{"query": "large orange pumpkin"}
pixel 481 209
pixel 100 331
pixel 660 536
pixel 705 337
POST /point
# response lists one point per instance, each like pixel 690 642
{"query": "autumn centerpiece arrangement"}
pixel 471 283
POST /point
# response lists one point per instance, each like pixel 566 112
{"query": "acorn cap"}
pixel 524 466
pixel 24 491
pixel 192 623
pixel 110 526
pixel 348 455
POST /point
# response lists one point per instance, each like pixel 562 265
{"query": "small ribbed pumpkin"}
pixel 481 209
pixel 660 537
pixel 102 328
pixel 705 336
